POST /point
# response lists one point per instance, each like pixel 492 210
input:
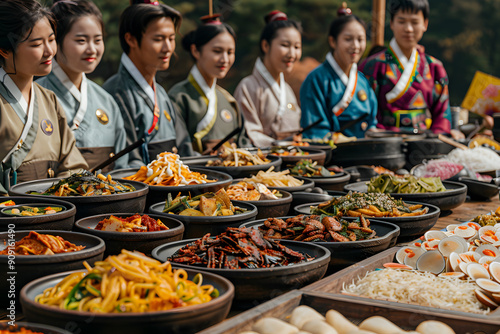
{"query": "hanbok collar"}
pixel 349 82
pixel 409 67
pixel 79 94
pixel 279 89
pixel 209 93
pixel 137 76
pixel 23 110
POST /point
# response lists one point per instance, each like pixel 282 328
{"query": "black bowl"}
pixel 235 172
pixel 288 161
pixel 30 267
pixel 253 286
pixel 141 241
pixel 412 227
pixel 63 220
pixel 386 152
pixel 198 226
pixel 334 182
pixel 38 328
pixel 133 201
pixel 273 207
pixel 303 197
pixel 176 321
pixel 345 254
pixel 312 145
pixel 159 193
pixel 453 197
pixel 478 189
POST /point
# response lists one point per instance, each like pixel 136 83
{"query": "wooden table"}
pixel 467 211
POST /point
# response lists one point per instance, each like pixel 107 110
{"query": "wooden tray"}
pixel 332 286
pixel 356 311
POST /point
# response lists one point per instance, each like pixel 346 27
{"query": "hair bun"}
pixel 150 2
pixel 275 15
pixel 343 10
pixel 211 19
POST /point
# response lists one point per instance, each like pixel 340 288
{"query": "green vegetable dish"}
pixel 408 184
pixel 25 210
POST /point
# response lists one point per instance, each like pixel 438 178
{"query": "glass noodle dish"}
pixel 168 170
pixel 86 184
pixel 128 282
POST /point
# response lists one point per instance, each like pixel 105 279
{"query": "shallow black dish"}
pixel 63 220
pixel 345 254
pixel 134 201
pixel 478 189
pixel 143 242
pixel 334 182
pixel 253 286
pixel 159 193
pixel 235 172
pixel 412 227
pixel 38 328
pixel 453 197
pixel 176 321
pixel 30 267
pixel 198 226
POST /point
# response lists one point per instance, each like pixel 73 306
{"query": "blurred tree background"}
pixel 463 34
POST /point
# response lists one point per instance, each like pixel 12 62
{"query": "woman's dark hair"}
pixel 204 34
pixel 136 18
pixel 413 6
pixel 67 12
pixel 17 19
pixel 271 29
pixel 339 24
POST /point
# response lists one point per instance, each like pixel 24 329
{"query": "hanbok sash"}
pixel 210 97
pixel 150 91
pixel 279 90
pixel 350 83
pixel 23 110
pixel 79 95
pixel 409 67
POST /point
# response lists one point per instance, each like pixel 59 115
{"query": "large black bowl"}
pixel 288 161
pixel 312 145
pixel 479 190
pixel 334 182
pixel 63 220
pixel 38 328
pixel 253 286
pixel 30 267
pixel 345 254
pixel 412 227
pixel 143 242
pixel 198 226
pixel 134 201
pixel 453 197
pixel 235 172
pixel 176 321
pixel 386 152
pixel 159 193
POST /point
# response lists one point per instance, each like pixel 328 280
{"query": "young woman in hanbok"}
pixel 336 92
pixel 92 114
pixel 147 37
pixel 36 141
pixel 209 112
pixel 266 100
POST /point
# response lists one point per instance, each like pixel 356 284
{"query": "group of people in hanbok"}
pixel 65 122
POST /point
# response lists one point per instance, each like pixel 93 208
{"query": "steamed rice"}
pixel 478 159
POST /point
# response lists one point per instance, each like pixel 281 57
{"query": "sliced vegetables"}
pixel 408 184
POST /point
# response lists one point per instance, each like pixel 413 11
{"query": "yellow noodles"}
pixel 129 282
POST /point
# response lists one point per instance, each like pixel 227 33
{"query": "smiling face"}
pixel 82 47
pixel 33 56
pixel 350 44
pixel 156 48
pixel 284 51
pixel 408 29
pixel 215 57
